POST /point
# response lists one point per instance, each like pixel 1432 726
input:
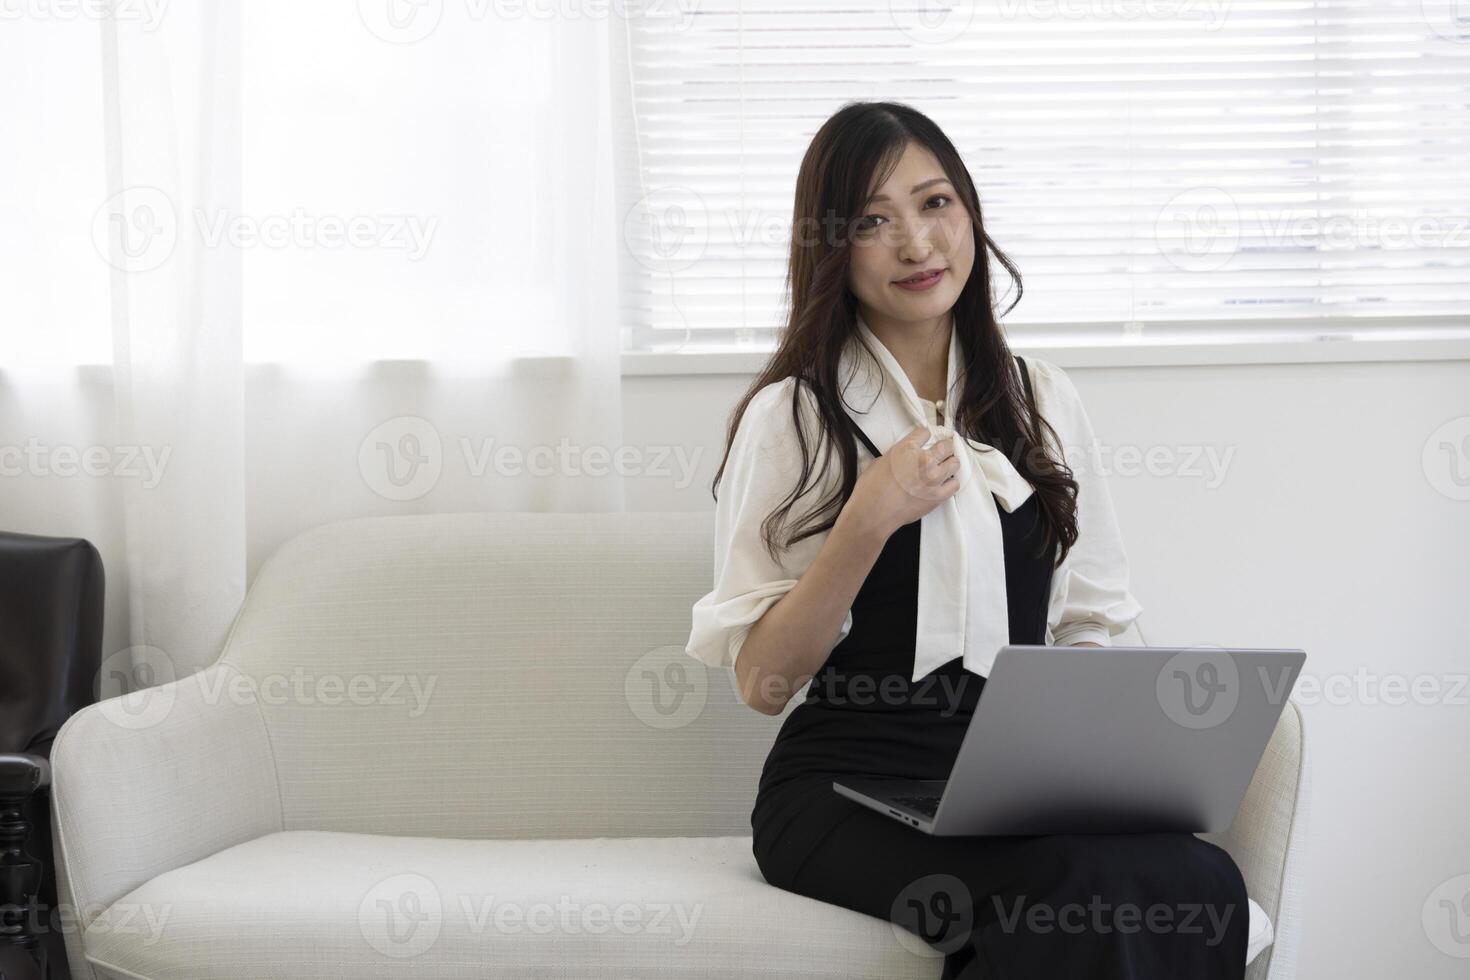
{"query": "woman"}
pixel 954 511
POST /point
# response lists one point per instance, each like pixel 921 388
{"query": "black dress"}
pixel 1046 906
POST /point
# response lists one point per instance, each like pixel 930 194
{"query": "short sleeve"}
pixel 761 470
pixel 1090 596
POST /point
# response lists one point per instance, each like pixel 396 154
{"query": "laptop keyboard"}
pixel 923 804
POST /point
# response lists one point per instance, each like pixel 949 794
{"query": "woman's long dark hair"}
pixel 853 152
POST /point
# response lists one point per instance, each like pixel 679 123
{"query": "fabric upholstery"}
pixel 443 909
pixel 150 782
pixel 1266 840
pixel 483 678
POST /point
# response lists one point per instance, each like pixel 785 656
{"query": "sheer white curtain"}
pixel 171 131
pixel 265 267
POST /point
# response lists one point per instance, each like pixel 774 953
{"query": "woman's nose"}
pixel 915 244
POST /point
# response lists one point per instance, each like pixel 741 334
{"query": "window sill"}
pixel 1140 354
pixel 1155 353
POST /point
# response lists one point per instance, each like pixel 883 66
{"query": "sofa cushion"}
pixel 323 904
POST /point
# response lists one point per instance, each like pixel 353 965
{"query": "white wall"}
pixel 1325 533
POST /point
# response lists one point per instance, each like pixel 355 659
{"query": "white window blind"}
pixel 1208 170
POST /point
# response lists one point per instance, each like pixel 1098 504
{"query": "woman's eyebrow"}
pixel 917 187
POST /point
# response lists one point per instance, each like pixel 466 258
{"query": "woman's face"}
pixel 915 222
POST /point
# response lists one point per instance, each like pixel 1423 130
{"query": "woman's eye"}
pixel 870 222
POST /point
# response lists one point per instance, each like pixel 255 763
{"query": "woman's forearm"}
pixel 793 638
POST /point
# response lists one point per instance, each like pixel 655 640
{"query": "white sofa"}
pixel 471 745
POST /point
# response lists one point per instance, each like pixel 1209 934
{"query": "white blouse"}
pixel 962 603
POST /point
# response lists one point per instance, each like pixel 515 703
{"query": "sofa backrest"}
pixel 498 675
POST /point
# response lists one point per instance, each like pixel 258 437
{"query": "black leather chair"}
pixel 51 593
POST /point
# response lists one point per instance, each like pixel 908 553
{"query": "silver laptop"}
pixel 1101 740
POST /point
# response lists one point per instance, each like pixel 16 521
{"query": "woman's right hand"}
pixel 907 481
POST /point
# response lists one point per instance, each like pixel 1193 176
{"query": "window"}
pixel 1157 169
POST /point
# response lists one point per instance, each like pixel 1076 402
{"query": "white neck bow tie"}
pixel 962 579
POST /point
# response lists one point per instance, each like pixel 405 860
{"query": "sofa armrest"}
pixel 1266 839
pixel 22 773
pixel 153 780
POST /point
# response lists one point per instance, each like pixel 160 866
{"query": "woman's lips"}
pixel 922 284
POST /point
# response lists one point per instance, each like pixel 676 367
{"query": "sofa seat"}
pixel 307 904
